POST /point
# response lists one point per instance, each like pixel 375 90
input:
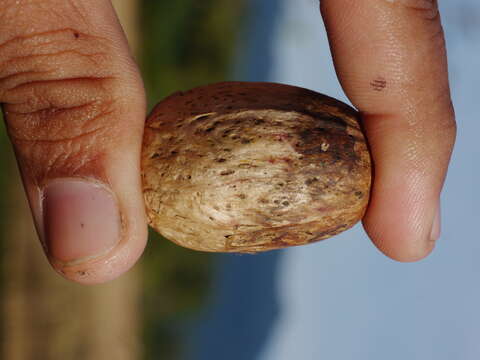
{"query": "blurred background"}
pixel 339 299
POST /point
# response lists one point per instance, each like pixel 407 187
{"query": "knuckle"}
pixel 59 124
pixel 449 124
pixel 57 142
pixel 42 63
pixel 58 93
pixel 437 39
pixel 425 9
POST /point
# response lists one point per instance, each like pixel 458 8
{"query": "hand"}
pixel 74 105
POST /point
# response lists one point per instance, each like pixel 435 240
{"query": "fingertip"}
pixel 109 266
pixel 84 253
pixel 403 254
pixel 398 237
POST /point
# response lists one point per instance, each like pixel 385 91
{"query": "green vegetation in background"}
pixel 186 43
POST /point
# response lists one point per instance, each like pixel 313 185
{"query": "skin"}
pixel 390 59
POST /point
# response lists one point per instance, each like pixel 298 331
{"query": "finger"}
pixel 390 59
pixel 74 106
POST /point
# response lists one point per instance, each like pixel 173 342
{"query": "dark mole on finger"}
pixel 379 84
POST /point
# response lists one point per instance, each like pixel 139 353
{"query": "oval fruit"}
pixel 249 167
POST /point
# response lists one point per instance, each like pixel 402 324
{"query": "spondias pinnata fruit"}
pixel 250 167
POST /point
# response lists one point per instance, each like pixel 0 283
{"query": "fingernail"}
pixel 81 220
pixel 436 227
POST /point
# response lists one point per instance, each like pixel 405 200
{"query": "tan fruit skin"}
pixel 250 167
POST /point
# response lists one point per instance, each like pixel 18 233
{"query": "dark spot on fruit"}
pixel 246 166
pixel 226 132
pixel 311 181
pixel 221 160
pixel 285 203
pixel 154 156
pixel 341 147
pixel 76 35
pixel 203 117
pixel 242 196
pixel 359 194
pixel 227 172
pixel 246 141
pixel 322 234
pixel 82 225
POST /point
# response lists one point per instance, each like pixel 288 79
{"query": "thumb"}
pixel 74 106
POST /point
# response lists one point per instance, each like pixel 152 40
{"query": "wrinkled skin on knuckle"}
pixel 53 55
pixel 57 91
pixel 425 9
pixel 63 142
